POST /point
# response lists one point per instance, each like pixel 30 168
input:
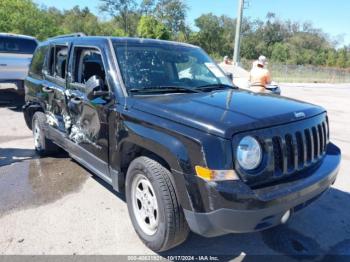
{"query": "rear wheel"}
pixel 43 146
pixel 153 207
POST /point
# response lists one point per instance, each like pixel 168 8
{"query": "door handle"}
pixel 47 89
pixel 76 100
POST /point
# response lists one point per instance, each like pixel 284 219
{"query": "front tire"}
pixel 42 145
pixel 153 207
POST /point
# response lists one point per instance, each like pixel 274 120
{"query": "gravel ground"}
pixel 54 206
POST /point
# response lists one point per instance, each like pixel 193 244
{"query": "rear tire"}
pixel 43 146
pixel 155 192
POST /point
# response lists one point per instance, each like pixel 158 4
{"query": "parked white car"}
pixel 16 53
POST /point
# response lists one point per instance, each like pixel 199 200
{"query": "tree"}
pixel 249 48
pixel 283 41
pixel 24 17
pixel 229 29
pixel 147 7
pixel 274 30
pixel 121 10
pixel 132 23
pixel 280 52
pixel 342 60
pixel 110 28
pixel 80 20
pixel 211 34
pixel 150 27
pixel 332 57
pixel 173 14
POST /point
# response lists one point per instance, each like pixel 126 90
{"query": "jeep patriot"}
pixel 162 123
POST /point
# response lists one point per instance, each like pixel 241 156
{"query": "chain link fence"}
pixel 304 73
pixel 308 73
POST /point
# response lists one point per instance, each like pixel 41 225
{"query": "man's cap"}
pixel 262 60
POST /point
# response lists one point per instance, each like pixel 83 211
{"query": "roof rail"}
pixel 16 35
pixel 69 35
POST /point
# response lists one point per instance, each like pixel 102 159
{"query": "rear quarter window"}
pixel 17 45
pixel 38 60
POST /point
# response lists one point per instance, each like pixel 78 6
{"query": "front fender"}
pixel 178 151
pixel 180 146
pixel 171 149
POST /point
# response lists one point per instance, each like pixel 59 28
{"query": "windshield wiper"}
pixel 215 87
pixel 164 89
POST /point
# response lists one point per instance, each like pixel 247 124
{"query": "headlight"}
pixel 249 153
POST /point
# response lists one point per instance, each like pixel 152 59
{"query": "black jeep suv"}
pixel 161 122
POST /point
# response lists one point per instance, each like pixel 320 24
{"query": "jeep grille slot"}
pixel 290 152
pixel 294 151
pixel 301 150
pixel 278 156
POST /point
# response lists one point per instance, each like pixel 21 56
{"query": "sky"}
pixel 333 17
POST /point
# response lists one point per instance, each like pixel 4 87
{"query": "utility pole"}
pixel 236 54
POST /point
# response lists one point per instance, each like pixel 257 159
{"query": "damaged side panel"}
pixel 55 103
pixel 84 124
pixel 87 124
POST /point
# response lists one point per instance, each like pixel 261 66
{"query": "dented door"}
pixel 89 123
pixel 88 116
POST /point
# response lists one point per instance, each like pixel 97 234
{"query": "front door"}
pixel 89 114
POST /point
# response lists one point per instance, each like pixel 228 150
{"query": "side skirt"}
pixel 84 157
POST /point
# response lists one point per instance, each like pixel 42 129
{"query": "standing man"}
pixel 260 76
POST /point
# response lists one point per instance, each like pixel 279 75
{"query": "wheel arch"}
pixel 29 110
pixel 159 146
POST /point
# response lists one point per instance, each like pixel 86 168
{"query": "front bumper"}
pixel 235 208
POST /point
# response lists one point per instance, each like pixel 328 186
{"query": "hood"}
pixel 227 112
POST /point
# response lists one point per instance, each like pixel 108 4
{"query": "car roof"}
pixel 137 40
pixel 18 36
pixel 130 40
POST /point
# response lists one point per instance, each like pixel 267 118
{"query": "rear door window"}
pixel 58 61
pixel 61 55
pixel 38 60
pixel 17 45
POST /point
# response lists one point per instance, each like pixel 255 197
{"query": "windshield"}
pixel 16 45
pixel 162 66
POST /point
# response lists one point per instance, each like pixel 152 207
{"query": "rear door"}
pixel 35 78
pixel 54 86
pixel 89 115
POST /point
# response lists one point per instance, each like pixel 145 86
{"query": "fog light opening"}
pixel 285 217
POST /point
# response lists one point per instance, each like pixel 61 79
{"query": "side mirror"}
pixel 93 85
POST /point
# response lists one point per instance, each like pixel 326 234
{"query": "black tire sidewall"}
pixel 156 241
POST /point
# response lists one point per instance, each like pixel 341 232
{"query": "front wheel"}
pixel 153 206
